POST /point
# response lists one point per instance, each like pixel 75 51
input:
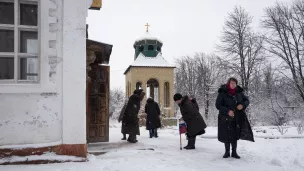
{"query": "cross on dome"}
pixel 147 27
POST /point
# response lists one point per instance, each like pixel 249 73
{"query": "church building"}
pixel 151 72
pixel 54 82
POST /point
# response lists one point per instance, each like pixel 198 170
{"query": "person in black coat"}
pixel 153 121
pixel 130 117
pixel 233 123
pixel 194 120
pixel 122 112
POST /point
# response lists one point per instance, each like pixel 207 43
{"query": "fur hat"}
pixel 177 97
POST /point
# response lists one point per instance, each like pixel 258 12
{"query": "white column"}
pixel 74 71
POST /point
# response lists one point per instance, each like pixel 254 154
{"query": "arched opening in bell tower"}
pixel 153 89
pixel 138 85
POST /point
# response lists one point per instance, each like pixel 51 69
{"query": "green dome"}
pixel 148 45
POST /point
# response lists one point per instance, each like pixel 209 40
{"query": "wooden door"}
pixel 98 104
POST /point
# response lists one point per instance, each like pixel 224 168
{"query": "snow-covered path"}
pixel 263 155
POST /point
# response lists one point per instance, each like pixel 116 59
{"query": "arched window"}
pixel 138 85
pixel 127 90
pixel 167 95
pixel 150 47
pixel 130 91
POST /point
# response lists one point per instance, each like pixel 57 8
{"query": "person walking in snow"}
pixel 153 120
pixel 130 118
pixel 232 120
pixel 194 120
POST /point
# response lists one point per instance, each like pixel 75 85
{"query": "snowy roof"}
pixel 143 61
pixel 147 36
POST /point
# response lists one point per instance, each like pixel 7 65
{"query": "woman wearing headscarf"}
pixel 232 120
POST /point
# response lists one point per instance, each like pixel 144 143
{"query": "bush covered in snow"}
pixel 117 99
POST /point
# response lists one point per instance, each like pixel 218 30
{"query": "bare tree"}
pixel 268 80
pixel 185 76
pixel 207 75
pixel 242 48
pixel 280 116
pixel 286 39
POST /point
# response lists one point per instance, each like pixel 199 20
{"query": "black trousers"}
pixel 233 145
pixel 153 132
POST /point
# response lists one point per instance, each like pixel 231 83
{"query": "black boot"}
pixel 124 137
pixel 234 153
pixel 132 139
pixel 227 150
pixel 187 137
pixel 191 143
pixel 155 133
pixel 151 133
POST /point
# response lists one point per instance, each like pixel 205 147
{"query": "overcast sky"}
pixel 184 26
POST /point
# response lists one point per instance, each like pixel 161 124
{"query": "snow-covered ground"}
pixel 163 154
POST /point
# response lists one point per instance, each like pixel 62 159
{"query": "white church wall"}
pixel 54 109
pixel 29 118
pixel 31 113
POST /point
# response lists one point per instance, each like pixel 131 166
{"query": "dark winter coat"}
pixel 153 112
pixel 122 112
pixel 130 119
pixel 194 120
pixel 195 103
pixel 238 127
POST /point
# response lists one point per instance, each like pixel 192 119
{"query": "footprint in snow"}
pixel 276 162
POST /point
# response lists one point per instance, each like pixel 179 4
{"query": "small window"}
pixel 150 47
pixel 19 63
pixel 158 48
pixel 141 48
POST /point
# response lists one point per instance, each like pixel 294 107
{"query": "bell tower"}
pixel 151 72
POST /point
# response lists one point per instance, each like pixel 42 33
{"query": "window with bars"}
pixel 19 46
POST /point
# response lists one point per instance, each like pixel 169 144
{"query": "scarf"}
pixel 231 91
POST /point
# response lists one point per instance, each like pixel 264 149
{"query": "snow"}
pixel 261 132
pixel 31 145
pixel 164 154
pixel 44 157
pixel 272 132
pixel 158 61
pixel 147 36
